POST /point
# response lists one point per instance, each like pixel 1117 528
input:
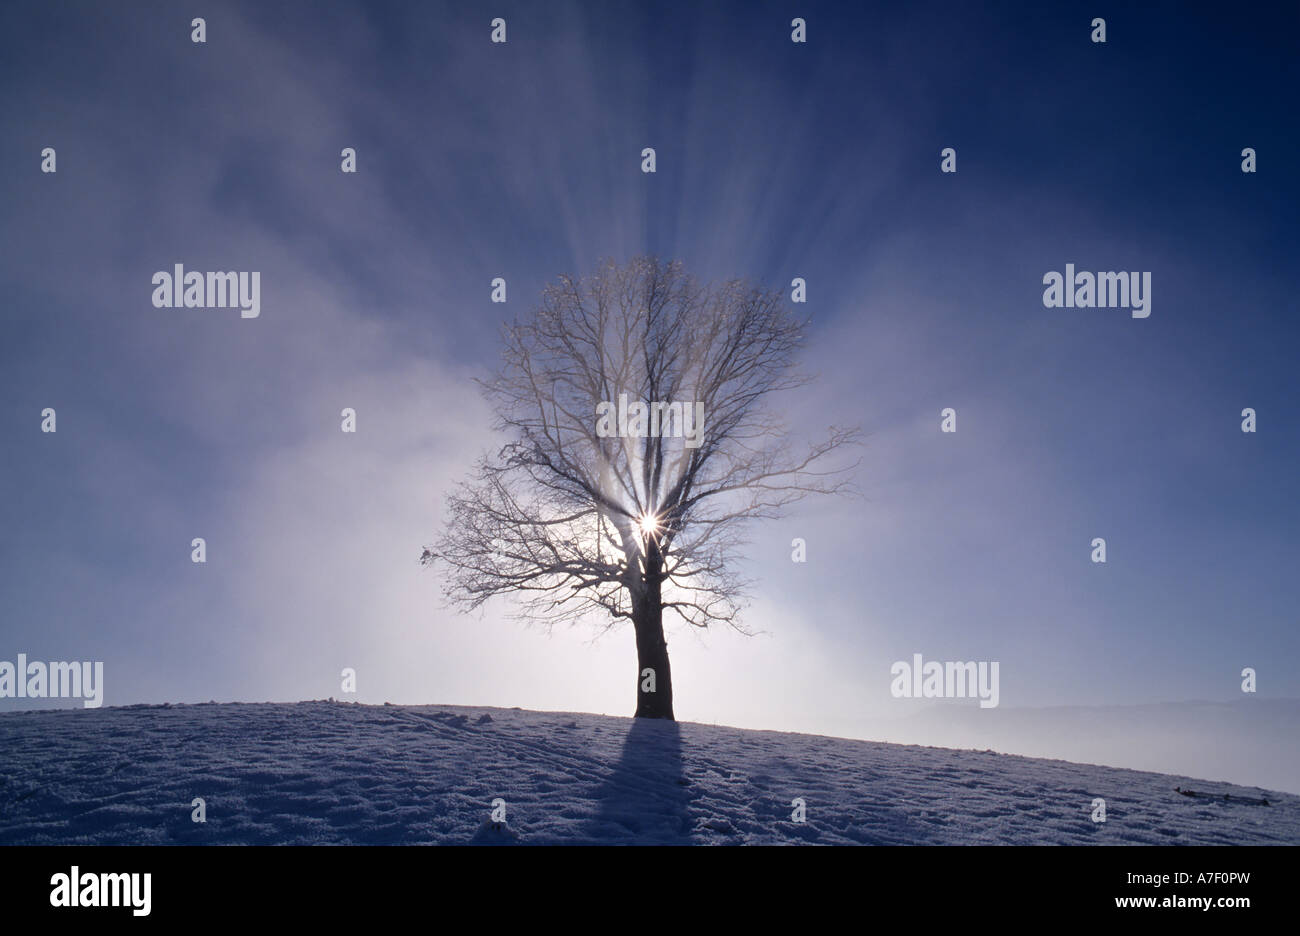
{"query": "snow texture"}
pixel 333 772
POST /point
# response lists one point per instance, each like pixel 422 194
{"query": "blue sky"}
pixel 775 160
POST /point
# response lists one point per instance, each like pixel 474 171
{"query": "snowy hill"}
pixel 316 772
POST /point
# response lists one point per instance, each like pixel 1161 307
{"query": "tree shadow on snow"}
pixel 645 798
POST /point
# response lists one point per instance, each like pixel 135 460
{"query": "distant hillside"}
pixel 1254 741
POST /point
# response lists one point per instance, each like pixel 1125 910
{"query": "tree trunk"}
pixel 654 678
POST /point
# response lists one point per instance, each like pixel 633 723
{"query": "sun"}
pixel 649 525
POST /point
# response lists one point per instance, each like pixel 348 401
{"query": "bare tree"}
pixel 608 500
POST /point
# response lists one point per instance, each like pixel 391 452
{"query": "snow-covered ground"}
pixel 316 772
